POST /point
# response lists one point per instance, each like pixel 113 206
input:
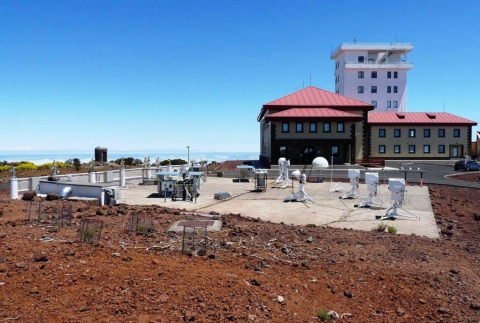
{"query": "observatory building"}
pixel 374 73
pixel 313 122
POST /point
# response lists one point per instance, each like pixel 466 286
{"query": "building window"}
pixel 381 149
pixel 285 127
pixel 396 149
pixel 426 133
pixel 389 104
pixel 441 133
pixel 389 89
pixel 361 59
pixel 389 75
pixel 395 89
pixel 326 127
pixel 360 89
pixel 395 104
pixel 456 132
pixel 411 133
pixel 374 103
pixel 334 150
pixel 313 127
pixel 299 127
pixel 374 74
pixel 340 127
pixel 361 74
pixel 374 89
pixel 441 149
pixel 382 133
pixel 395 75
pixel 397 133
pixel 411 149
pixel 426 149
pixel 282 151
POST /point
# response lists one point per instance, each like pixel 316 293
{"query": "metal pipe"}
pixel 65 192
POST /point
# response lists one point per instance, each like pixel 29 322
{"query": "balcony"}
pixel 391 47
pixel 375 65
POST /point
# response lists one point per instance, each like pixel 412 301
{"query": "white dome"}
pixel 319 162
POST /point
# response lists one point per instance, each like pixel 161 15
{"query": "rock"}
pixel 422 301
pixel 211 256
pixel 305 264
pixel 127 259
pixel 163 298
pixel 347 293
pixel 188 316
pixel 476 216
pixel 310 239
pixel 3 235
pixel 454 271
pixel 400 311
pixel 333 315
pixel 443 310
pixel 34 290
pixel 200 299
pixel 52 197
pixel 447 232
pixel 29 195
pixel 251 317
pixel 280 299
pixel 286 250
pixel 40 258
pixel 3 268
pixel 20 265
pixel 214 213
pixel 101 212
pixel 254 282
pixel 475 306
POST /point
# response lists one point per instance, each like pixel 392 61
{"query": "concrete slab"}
pixel 328 209
pixel 212 225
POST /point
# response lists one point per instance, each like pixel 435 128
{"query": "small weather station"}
pixel 372 200
pixel 397 189
pixel 352 192
pixel 283 181
pixel 301 195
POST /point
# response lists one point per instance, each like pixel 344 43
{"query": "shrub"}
pixel 380 227
pixel 323 316
pixel 77 163
pixel 391 229
pixel 27 166
pixel 87 235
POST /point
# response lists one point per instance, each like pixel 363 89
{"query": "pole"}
pixel 331 170
pixel 188 156
pixel 14 188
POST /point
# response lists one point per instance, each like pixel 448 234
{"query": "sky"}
pixel 166 74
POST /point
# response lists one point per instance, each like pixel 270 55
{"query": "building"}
pixel 419 135
pixel 374 73
pixel 313 122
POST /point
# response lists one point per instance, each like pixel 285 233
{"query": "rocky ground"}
pixel 253 271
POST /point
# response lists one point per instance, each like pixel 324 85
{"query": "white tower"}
pixel 375 73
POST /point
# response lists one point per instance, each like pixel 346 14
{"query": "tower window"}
pixel 389 89
pixel 361 59
pixel 395 75
pixel 360 89
pixel 374 74
pixel 374 89
pixel 389 75
pixel 395 89
pixel 360 74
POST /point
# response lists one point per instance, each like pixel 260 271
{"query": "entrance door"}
pixel 456 151
pixel 308 155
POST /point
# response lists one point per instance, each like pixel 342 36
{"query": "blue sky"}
pixel 155 75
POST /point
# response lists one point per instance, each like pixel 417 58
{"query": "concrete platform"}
pixel 327 210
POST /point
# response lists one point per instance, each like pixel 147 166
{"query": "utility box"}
pixel 221 195
pixel 108 176
pixel 33 183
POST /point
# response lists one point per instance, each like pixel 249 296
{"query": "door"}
pixel 456 151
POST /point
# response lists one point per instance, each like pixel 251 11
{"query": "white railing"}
pixel 372 45
pixel 132 176
pixel 398 63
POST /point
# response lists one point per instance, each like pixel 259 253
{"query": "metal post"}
pixel 331 170
pixel 188 156
pixel 421 179
pixel 92 177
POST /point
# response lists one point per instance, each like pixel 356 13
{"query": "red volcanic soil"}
pixel 253 271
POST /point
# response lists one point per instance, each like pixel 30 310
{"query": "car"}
pixel 468 165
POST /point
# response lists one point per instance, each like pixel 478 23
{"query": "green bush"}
pixel 391 229
pixel 323 316
pixel 5 168
pixel 28 166
pixel 380 227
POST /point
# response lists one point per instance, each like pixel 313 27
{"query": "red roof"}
pixel 313 97
pixel 417 118
pixel 313 114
